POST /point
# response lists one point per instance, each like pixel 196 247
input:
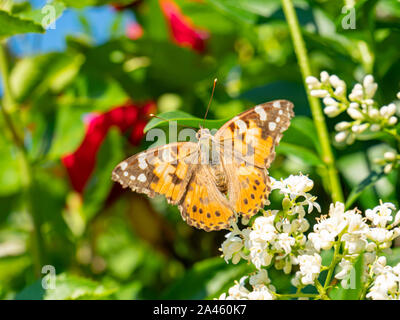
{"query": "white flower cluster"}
pixel 277 238
pixel 359 105
pixel 260 284
pixel 386 284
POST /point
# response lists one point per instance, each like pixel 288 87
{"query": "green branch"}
pixel 318 117
pixel 37 244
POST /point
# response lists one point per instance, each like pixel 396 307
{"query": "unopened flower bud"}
pixel 388 168
pixel 389 155
pixel 334 80
pixel 392 121
pixel 329 101
pixel 373 113
pixel 355 114
pixel 324 77
pixel 331 111
pixel 319 93
pixel 343 125
pixel 341 136
pixel 312 82
pixel 375 127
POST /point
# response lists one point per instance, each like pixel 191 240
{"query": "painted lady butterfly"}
pixel 219 177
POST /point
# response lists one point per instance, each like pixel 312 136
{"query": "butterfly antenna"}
pixel 209 103
pixel 154 116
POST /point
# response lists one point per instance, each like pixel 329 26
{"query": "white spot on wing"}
pixel 124 165
pixel 261 112
pixel 142 162
pixel 241 124
pixel 277 104
pixel 126 173
pixel 278 119
pixel 272 126
pixel 133 178
pixel 142 177
pixel 280 112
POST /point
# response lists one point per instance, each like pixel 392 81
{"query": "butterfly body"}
pixel 220 176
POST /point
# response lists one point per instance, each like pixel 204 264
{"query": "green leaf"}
pixel 38 74
pixel 71 287
pixel 69 131
pixel 369 181
pixel 10 167
pixel 184 119
pixel 206 280
pixel 354 284
pixel 304 154
pixel 100 182
pixel 393 258
pixel 35 291
pixel 11 25
pixel 45 15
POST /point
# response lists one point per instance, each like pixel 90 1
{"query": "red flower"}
pixel 183 32
pixel 134 31
pixel 80 164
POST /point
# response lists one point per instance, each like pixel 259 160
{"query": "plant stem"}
pixel 318 117
pixel 26 169
pixel 321 290
pixel 332 265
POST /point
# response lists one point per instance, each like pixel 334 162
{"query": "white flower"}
pixel 232 247
pixel 310 267
pixel 239 291
pixel 294 186
pixel 284 243
pixel 322 239
pixel 380 235
pixel 263 230
pixel 261 292
pixel 354 243
pixel 386 283
pixel 259 256
pixel 345 268
pixel 261 277
pixel 381 215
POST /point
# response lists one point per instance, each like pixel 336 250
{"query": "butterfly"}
pixel 219 177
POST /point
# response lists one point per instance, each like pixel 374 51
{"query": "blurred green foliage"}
pixel 108 244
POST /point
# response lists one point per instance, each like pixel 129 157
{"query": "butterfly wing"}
pixel 203 205
pixel 162 170
pixel 248 145
pixel 252 135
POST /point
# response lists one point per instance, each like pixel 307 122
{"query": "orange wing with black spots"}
pixel 249 188
pixel 204 206
pixel 162 170
pixel 249 141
